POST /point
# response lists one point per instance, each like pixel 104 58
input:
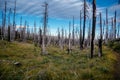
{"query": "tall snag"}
pixel 14 23
pixel 106 25
pixel 4 22
pixel 84 22
pixel 80 31
pixel 73 32
pixel 9 30
pixel 100 40
pixel 89 33
pixel 93 28
pixel 115 25
pixel 44 29
pixel 69 45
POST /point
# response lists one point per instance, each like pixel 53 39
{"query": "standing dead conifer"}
pixel 69 45
pixel 118 33
pixel 14 23
pixel 80 30
pixel 100 40
pixel 34 36
pixel 21 29
pixel 73 33
pixel 44 29
pixel 93 28
pixel 106 38
pixel 9 30
pixel 28 32
pixel 4 22
pixel 62 39
pixel 24 31
pixel 89 33
pixel 115 25
pixel 84 21
pixel 103 29
pixel 59 38
pixel 40 37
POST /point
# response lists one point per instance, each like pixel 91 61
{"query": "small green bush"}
pixel 116 47
pixel 110 44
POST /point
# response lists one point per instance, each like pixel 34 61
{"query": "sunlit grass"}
pixel 57 65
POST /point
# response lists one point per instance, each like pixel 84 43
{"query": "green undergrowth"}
pixel 57 65
pixel 115 45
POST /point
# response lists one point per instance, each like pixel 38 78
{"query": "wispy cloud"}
pixel 56 8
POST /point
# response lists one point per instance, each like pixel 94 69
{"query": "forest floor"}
pixel 22 61
pixel 117 68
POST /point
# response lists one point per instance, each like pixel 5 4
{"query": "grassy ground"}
pixel 58 65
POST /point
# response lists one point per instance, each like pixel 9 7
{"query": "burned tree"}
pixel 44 29
pixel 24 31
pixel 103 31
pixel 93 28
pixel 40 37
pixel 84 22
pixel 14 23
pixel 115 25
pixel 59 38
pixel 69 45
pixel 80 31
pixel 73 33
pixel 28 32
pixel 100 40
pixel 89 33
pixel 112 31
pixel 4 22
pixel 106 36
pixel 118 32
pixel 9 30
pixel 35 40
pixel 21 30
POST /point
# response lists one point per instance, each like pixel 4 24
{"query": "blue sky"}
pixel 60 12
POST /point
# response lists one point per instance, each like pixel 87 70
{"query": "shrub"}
pixel 116 47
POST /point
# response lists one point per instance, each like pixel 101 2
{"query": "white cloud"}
pixel 56 8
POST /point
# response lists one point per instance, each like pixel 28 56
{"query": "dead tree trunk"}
pixel 118 31
pixel 9 33
pixel 21 30
pixel 28 32
pixel 14 23
pixel 89 33
pixel 115 25
pixel 9 30
pixel 93 28
pixel 62 39
pixel 1 36
pixel 35 34
pixel 59 38
pixel 106 25
pixel 44 29
pixel 80 30
pixel 73 32
pixel 84 23
pixel 65 41
pixel 69 45
pixel 103 29
pixel 112 31
pixel 100 40
pixel 40 37
pixel 4 22
pixel 24 32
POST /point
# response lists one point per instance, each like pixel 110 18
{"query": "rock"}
pixel 17 64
